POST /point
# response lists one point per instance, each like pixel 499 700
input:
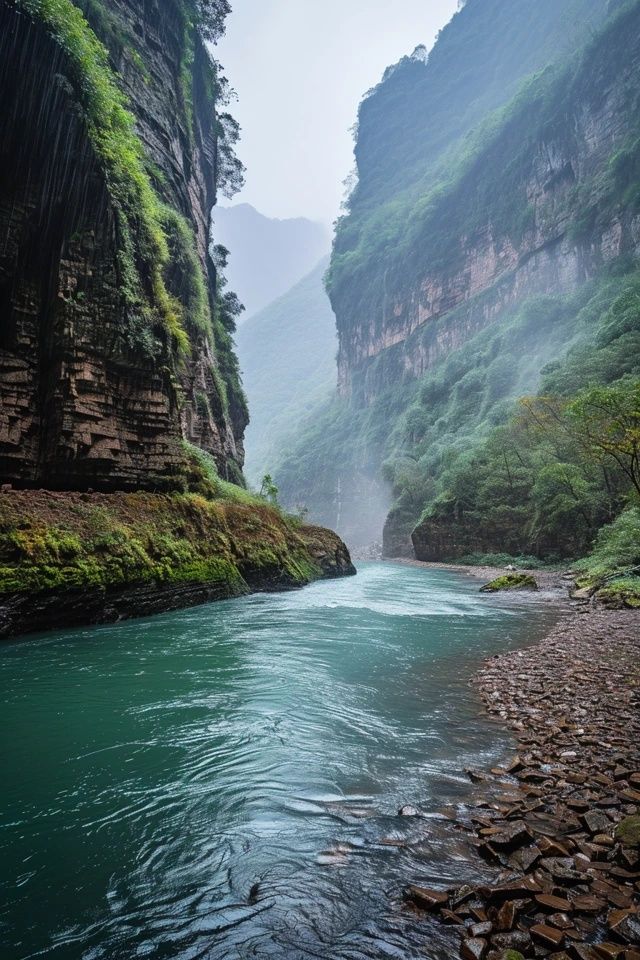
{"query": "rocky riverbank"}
pixel 561 819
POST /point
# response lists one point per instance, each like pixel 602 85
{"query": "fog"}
pixel 300 68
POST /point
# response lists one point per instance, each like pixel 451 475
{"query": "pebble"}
pixel 570 882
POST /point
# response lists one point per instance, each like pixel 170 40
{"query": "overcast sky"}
pixel 300 68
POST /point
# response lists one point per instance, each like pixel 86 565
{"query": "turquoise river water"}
pixel 224 782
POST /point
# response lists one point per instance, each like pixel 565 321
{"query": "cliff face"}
pixel 490 208
pixel 514 223
pixel 104 366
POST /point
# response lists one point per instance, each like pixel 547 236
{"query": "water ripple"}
pixel 225 782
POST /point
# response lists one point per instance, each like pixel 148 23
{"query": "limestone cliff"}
pixel 535 210
pixel 490 206
pixel 111 347
pixel 120 396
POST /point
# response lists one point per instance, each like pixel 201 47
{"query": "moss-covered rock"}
pixel 511 581
pixel 621 593
pixel 628 831
pixel 54 544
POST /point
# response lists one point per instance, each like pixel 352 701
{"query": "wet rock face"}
pixel 80 405
pixel 560 820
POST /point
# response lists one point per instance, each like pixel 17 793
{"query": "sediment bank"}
pixel 561 819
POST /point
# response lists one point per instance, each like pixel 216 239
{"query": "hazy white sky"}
pixel 300 68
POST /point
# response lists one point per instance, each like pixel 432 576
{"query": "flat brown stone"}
pixel 425 898
pixel 552 848
pixel 448 916
pixel 523 889
pixel 549 936
pixel 616 917
pixel 516 834
pixel 609 951
pixel 525 858
pixel 588 904
pixel 549 902
pixel 619 899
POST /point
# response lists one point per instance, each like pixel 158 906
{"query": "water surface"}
pixel 224 782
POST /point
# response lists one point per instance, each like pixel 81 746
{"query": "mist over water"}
pixel 224 782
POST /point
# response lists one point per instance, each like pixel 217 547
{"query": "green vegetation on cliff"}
pixel 442 138
pixel 111 129
pixel 566 462
pixel 432 271
pixel 162 282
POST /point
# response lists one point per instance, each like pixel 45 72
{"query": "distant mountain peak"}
pixel 267 255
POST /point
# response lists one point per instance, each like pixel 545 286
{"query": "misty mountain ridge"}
pixel 287 356
pixel 267 255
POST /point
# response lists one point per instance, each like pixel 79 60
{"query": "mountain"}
pixel 494 230
pixel 268 256
pixel 287 356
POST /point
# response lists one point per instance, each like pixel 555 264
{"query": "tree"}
pixel 268 489
pixel 211 18
pixel 229 169
pixel 606 420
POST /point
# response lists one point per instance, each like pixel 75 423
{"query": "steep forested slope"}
pixel 268 256
pixel 451 296
pixel 287 355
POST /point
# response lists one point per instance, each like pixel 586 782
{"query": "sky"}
pixel 300 68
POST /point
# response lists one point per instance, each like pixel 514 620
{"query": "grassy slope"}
pixel 287 355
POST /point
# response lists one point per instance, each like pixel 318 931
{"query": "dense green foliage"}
pixel 287 354
pixel 613 567
pixel 567 462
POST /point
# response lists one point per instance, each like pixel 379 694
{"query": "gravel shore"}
pixel 561 819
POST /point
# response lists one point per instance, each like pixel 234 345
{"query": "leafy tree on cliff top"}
pixel 211 17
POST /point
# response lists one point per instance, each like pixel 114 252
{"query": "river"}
pixel 224 782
